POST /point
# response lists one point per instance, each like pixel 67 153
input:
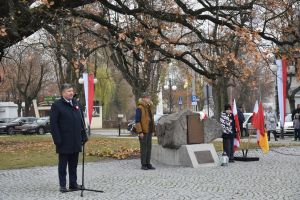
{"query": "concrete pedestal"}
pixel 195 155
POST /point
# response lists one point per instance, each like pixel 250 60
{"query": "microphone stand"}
pixel 82 178
pixel 82 188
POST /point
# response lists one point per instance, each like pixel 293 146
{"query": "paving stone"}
pixel 275 176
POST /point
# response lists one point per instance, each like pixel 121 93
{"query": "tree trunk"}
pixel 27 107
pixel 220 96
pixel 19 103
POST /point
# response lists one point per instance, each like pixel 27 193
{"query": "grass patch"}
pixel 21 151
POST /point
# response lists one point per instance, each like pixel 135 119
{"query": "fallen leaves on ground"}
pixel 122 153
pixel 19 146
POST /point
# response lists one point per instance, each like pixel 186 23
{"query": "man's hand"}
pixel 141 135
pixel 84 140
pixel 84 137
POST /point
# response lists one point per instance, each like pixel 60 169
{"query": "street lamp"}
pixel 273 68
pixel 170 87
pixel 80 80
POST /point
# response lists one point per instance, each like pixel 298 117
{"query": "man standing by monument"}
pixel 145 127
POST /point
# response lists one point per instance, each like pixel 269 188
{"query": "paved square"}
pixel 275 176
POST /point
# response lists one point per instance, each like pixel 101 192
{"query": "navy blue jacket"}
pixel 66 126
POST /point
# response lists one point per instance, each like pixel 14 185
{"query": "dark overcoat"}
pixel 66 126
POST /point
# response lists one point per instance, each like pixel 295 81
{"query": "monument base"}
pixel 195 155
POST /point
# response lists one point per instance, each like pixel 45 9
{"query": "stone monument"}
pixel 183 139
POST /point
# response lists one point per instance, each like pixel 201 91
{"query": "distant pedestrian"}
pixel 68 136
pixel 297 110
pixel 296 124
pixel 271 122
pixel 229 131
pixel 241 117
pixel 145 127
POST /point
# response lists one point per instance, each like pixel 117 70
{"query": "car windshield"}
pixel 247 115
pixel 41 120
pixel 288 118
pixel 157 117
pixel 16 120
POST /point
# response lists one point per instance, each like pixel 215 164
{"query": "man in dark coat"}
pixel 241 117
pixel 66 129
pixel 297 110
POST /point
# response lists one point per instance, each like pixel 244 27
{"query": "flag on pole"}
pixel 281 85
pixel 88 82
pixel 237 138
pixel 255 111
pixel 259 123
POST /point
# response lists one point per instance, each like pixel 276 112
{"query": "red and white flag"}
pixel 259 123
pixel 281 85
pixel 237 138
pixel 254 119
pixel 88 82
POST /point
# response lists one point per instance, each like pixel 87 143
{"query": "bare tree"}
pixel 26 72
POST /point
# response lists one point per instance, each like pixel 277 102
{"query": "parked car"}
pixel 40 126
pixel 247 124
pixel 158 117
pixel 5 120
pixel 131 125
pixel 288 126
pixel 11 127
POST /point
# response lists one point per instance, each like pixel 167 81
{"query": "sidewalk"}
pixel 110 132
pixel 274 177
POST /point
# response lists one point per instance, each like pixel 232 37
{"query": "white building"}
pixel 8 110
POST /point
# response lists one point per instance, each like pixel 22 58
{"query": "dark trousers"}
pixel 274 133
pixel 145 148
pixel 297 134
pixel 228 146
pixel 72 161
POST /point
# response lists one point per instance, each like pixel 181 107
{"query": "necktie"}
pixel 71 103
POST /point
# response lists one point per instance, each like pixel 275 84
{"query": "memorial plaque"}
pixel 204 157
pixel 195 129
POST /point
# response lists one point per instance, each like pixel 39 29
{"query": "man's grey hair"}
pixel 65 86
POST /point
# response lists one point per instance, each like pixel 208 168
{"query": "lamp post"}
pixel 207 98
pixel 274 70
pixel 80 81
pixel 170 87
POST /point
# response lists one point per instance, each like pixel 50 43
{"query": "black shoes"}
pixel 231 160
pixel 149 166
pixel 63 189
pixel 144 167
pixel 75 187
